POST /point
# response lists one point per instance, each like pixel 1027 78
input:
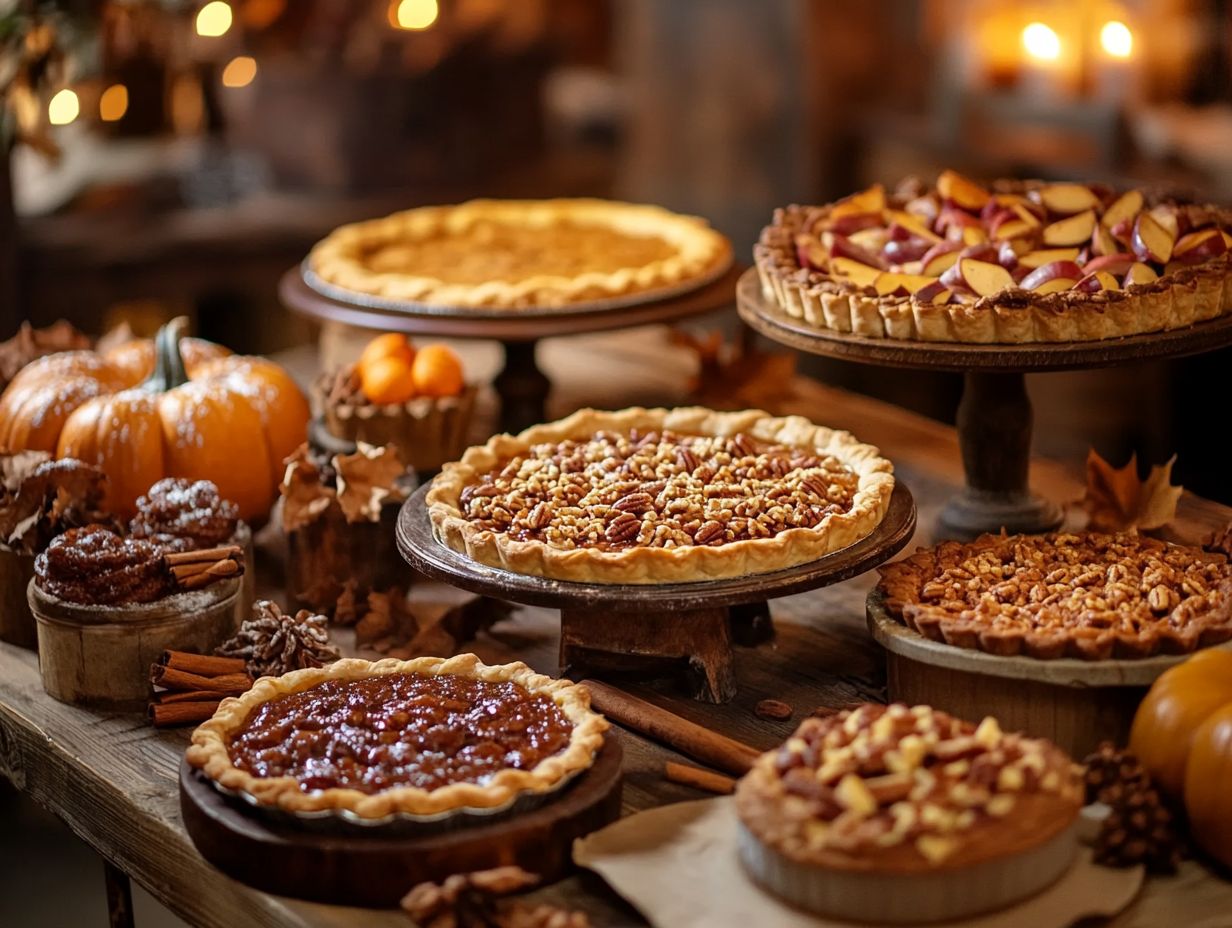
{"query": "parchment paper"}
pixel 677 865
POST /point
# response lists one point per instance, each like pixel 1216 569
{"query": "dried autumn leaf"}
pixel 40 498
pixel 368 479
pixel 30 344
pixel 738 375
pixel 1117 500
pixel 304 496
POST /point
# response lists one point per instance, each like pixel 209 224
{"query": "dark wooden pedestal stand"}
pixel 652 629
pixel 994 415
pixel 521 385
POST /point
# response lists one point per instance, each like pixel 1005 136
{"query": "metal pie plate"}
pixel 344 821
pixel 414 308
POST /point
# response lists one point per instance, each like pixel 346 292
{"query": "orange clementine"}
pixel 387 380
pixel 437 371
pixel 389 345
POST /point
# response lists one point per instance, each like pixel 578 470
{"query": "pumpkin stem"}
pixel 169 371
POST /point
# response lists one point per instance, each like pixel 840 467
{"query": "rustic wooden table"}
pixel 113 779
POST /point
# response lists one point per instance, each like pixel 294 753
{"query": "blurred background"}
pixel 175 156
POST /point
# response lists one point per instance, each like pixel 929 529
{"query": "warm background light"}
pixel 113 104
pixel 239 72
pixel 214 19
pixel 63 108
pixel 1116 39
pixel 1041 42
pixel 413 14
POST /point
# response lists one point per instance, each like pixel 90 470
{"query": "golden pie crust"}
pixel 715 495
pixel 1086 595
pixel 904 790
pixel 209 750
pixel 1178 298
pixel 521 253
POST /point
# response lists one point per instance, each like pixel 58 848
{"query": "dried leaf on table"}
pixel 1117 500
pixel 387 617
pixel 350 606
pixel 304 496
pixel 41 498
pixel 367 479
pixel 30 344
pixel 445 636
pixel 473 900
pixel 738 375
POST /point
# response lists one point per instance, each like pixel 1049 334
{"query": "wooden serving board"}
pixel 1074 703
pixel 377 870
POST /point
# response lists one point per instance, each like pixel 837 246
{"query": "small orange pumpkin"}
pixel 1182 733
pixel 167 408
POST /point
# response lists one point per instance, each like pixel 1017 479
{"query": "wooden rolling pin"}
pixel 699 743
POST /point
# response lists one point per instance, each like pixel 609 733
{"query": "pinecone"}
pixel 274 643
pixel 1139 829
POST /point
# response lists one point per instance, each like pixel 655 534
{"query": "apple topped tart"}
pixel 1015 261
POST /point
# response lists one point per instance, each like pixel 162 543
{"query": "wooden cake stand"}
pixel 375 866
pixel 994 415
pixel 521 386
pixel 651 628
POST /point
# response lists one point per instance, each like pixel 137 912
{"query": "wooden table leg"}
pixel 994 435
pixel 751 624
pixel 699 643
pixel 522 388
pixel 119 897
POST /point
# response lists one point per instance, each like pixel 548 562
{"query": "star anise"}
pixel 273 642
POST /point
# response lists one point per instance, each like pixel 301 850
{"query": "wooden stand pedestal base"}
pixel 376 870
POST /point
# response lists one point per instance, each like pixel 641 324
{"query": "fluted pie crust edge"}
pixel 700 251
pixel 209 749
pixel 789 548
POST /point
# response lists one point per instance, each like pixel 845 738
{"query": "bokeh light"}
pixel 113 104
pixel 239 72
pixel 63 108
pixel 1116 39
pixel 1041 42
pixel 214 19
pixel 413 14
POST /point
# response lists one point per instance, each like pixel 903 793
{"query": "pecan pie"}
pixel 876 797
pixel 519 253
pixel 1017 261
pixel 419 737
pixel 656 495
pixel 1085 595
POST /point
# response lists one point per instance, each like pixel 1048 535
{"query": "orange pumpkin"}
pixel 1182 733
pixel 167 408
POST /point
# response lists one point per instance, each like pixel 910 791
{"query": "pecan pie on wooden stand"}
pixel 1059 635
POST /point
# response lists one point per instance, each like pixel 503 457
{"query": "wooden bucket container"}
pixel 16 621
pixel 100 656
pixel 1074 703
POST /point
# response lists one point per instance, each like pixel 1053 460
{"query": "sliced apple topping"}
pixel 1103 242
pixel 870 240
pixel 1116 264
pixel 940 258
pixel 1039 258
pixel 872 200
pixel 1199 246
pixel 1100 280
pixel 961 191
pixel 851 223
pixel 1065 199
pixel 1123 209
pixel 840 246
pixel 914 224
pixel 1075 230
pixel 984 278
pixel 1051 277
pixel 862 275
pixel 1140 273
pixel 1168 218
pixel 890 282
pixel 810 253
pixel 1151 240
pixel 936 294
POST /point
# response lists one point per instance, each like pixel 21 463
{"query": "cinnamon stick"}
pixel 696 777
pixel 173 679
pixel 203 665
pixel 700 743
pixel 186 696
pixel 204 556
pixel 180 713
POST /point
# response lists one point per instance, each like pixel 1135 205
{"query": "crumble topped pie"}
pixel 1014 262
pixel 656 495
pixel 1086 595
pixel 898 789
pixel 521 253
pixel 419 737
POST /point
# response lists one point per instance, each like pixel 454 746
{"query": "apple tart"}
pixel 420 737
pixel 660 495
pixel 508 254
pixel 1012 262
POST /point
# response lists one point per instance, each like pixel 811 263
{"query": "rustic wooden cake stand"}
pixel 994 415
pixel 651 628
pixel 521 386
pixel 375 867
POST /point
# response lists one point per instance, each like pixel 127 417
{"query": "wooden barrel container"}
pixel 100 656
pixel 1074 703
pixel 16 621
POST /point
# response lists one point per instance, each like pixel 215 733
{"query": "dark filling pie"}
pixel 658 490
pixel 406 729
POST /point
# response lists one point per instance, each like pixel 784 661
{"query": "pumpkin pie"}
pixel 508 254
pixel 661 495
pixel 1084 595
pixel 894 814
pixel 1010 262
pixel 420 737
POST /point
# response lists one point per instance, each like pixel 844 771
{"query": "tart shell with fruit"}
pixel 1014 262
pixel 660 495
pixel 420 737
pixel 509 254
pixel 1084 595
